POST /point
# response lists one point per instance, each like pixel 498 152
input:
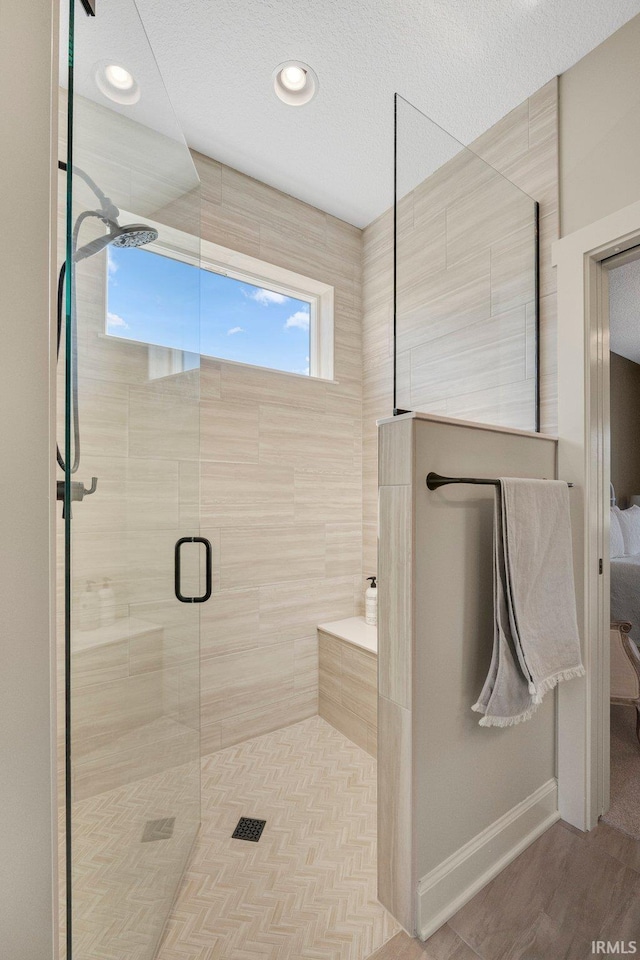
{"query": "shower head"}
pixel 130 235
pixel 135 235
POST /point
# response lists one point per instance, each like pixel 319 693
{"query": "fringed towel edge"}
pixel 507 721
pixel 546 685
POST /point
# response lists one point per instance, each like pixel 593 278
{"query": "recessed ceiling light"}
pixel 295 83
pixel 116 82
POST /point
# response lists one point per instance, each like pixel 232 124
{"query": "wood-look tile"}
pixel 210 737
pixel 445 303
pixel 100 664
pixel 394 811
pixel 350 725
pixel 370 547
pixel 163 425
pixel 306 666
pixel 330 667
pixel 244 493
pixel 421 250
pixel 228 431
pixel 620 845
pixel 443 945
pixel 308 441
pixel 359 691
pixel 460 176
pixel 513 270
pixel 343 555
pixel 294 609
pixel 494 211
pixel 210 174
pixel 104 405
pixel 230 622
pixel 536 174
pixel 210 378
pixel 324 498
pixel 488 354
pixel 549 233
pixel 115 708
pixel 147 652
pixel 230 686
pixel 546 879
pixel 543 113
pixel 268 716
pixel 507 140
pixel 246 384
pixel 395 453
pixel 395 629
pixel 512 405
pixel 246 196
pixel 130 763
pixel 549 335
pixel 257 555
pixel 595 895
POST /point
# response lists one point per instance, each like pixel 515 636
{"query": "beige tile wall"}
pixel 464 269
pixel 281 477
pixel 348 690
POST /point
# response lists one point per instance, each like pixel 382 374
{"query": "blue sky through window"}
pixel 155 299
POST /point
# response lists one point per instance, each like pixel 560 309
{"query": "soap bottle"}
pixel 88 608
pixel 371 603
pixel 107 603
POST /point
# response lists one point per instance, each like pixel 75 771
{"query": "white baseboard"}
pixel 452 883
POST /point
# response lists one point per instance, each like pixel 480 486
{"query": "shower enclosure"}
pixel 131 568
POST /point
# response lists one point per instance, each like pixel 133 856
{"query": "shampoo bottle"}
pixel 371 603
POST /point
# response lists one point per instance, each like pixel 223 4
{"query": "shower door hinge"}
pixel 90 7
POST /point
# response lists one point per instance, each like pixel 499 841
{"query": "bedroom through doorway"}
pixel 624 544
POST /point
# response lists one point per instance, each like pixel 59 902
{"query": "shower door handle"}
pixel 208 569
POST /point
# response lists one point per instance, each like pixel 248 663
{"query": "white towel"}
pixel 536 643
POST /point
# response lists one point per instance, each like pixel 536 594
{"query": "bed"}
pixel 625 592
pixel 625 568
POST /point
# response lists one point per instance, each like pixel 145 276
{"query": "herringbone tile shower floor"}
pixel 308 888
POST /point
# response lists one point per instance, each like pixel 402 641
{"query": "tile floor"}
pixel 307 890
pixel 565 890
pixel 123 888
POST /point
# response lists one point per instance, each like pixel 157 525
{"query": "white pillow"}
pixel 616 540
pixel 630 526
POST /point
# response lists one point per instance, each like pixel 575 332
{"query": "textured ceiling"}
pixel 624 309
pixel 465 63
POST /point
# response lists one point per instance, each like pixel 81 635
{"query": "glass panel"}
pixel 132 423
pixel 466 282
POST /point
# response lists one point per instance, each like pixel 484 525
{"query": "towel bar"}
pixel 434 480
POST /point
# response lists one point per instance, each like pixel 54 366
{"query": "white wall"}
pixel 26 861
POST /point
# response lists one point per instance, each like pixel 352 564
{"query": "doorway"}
pixel 622 273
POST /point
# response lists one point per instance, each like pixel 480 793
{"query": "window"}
pixel 250 311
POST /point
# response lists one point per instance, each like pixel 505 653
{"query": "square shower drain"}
pixel 158 829
pixel 248 829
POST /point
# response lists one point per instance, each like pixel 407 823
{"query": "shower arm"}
pixel 109 208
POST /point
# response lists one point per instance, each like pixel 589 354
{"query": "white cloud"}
pixel 235 330
pixel 298 319
pixel 266 297
pixel 113 320
pixel 112 266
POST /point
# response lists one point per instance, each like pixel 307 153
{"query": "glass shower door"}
pixel 129 464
